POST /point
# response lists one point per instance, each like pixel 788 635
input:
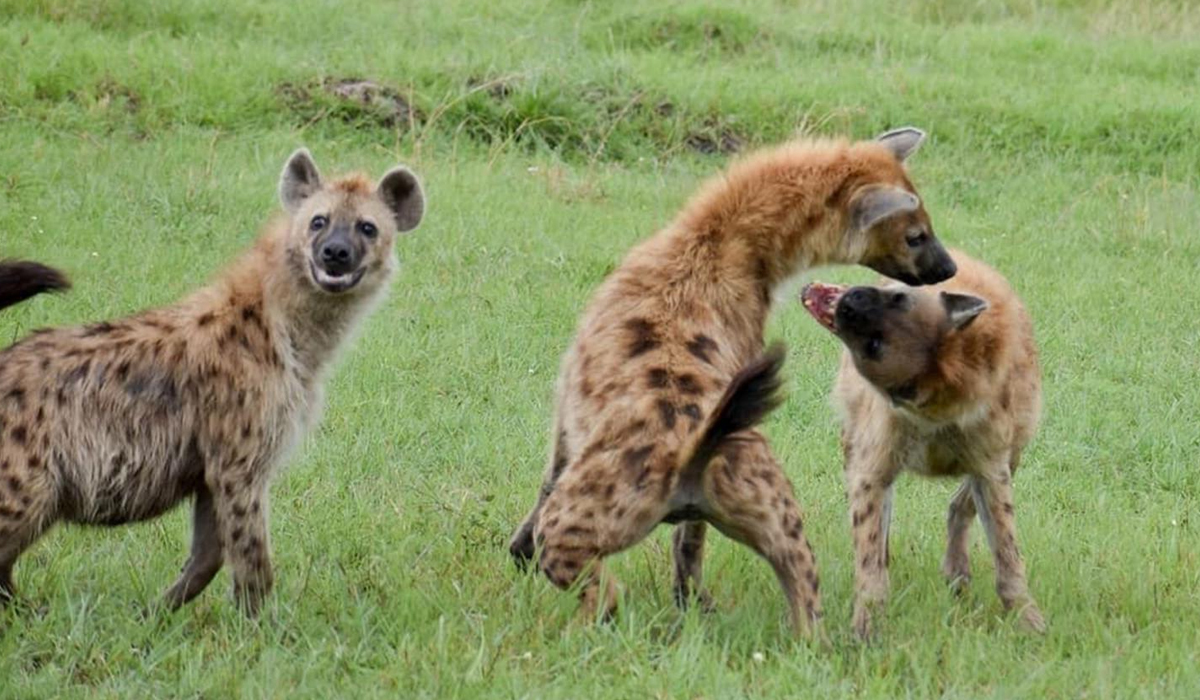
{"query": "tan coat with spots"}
pixel 674 333
pixel 938 381
pixel 119 421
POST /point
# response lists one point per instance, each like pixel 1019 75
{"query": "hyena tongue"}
pixel 821 300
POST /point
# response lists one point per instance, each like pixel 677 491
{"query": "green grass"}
pixel 139 147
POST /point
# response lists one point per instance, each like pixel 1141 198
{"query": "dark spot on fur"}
pixel 645 337
pixel 19 434
pixel 17 396
pixel 560 455
pixel 1008 508
pixel 236 534
pixel 14 484
pixel 239 511
pixel 702 347
pixel 635 458
pixel 666 411
pixel 658 378
pixel 96 329
pixel 204 319
pixel 34 462
pixel 609 490
pixel 688 384
pixel 578 531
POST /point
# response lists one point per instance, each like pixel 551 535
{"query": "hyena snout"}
pixel 336 255
pixel 935 264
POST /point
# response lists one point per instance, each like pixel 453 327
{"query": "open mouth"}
pixel 821 300
pixel 335 284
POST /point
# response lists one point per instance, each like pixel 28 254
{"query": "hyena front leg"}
pixel 240 506
pixel 687 547
pixel 752 502
pixel 206 556
pixel 870 494
pixel 956 567
pixel 994 501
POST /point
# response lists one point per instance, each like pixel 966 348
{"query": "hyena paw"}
pixel 864 629
pixel 957 573
pixel 684 596
pixel 521 545
pixel 1032 619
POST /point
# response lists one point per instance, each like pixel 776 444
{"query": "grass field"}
pixel 139 148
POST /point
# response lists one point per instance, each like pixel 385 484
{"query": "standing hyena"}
pixel 118 422
pixel 940 381
pixel 667 341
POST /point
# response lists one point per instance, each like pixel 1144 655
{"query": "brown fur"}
pixel 118 421
pixel 944 396
pixel 661 344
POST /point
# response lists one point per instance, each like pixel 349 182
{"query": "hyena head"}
pixel 889 228
pixel 342 232
pixel 894 333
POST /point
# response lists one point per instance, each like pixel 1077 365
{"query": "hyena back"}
pixel 117 422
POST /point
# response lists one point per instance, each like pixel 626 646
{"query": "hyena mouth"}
pixel 821 300
pixel 335 284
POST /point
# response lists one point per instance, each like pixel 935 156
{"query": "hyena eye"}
pixel 898 299
pixel 917 239
pixel 318 222
pixel 367 229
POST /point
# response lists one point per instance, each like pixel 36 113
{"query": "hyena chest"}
pixel 945 452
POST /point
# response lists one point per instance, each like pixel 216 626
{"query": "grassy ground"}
pixel 139 146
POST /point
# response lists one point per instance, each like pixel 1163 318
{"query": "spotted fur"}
pixel 662 343
pixel 119 421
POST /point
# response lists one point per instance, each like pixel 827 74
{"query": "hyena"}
pixel 940 381
pixel 119 421
pixel 638 434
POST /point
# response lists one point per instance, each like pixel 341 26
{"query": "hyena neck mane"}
pixel 780 212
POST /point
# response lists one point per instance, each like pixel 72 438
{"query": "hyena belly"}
pixel 122 444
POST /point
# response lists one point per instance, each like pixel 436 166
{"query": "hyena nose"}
pixel 336 256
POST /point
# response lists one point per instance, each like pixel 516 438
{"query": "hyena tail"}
pixel 20 279
pixel 751 395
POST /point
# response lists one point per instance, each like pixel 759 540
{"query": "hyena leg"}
pixel 206 555
pixel 870 519
pixel 521 545
pixel 994 501
pixel 24 516
pixel 687 546
pixel 580 525
pixel 240 505
pixel 956 567
pixel 751 501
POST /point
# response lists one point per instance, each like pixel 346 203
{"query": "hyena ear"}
pixel 300 179
pixel 961 309
pixel 874 203
pixel 902 142
pixel 401 191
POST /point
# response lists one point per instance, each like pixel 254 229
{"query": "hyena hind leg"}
pixel 687 548
pixel 752 502
pixel 20 527
pixel 956 567
pixel 206 555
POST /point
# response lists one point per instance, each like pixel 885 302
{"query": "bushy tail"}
pixel 20 279
pixel 750 396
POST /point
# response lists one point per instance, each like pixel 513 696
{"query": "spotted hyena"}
pixel 669 336
pixel 940 381
pixel 119 421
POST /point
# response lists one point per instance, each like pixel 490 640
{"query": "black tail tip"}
pixel 21 279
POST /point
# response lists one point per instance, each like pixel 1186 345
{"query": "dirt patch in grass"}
pixel 351 100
